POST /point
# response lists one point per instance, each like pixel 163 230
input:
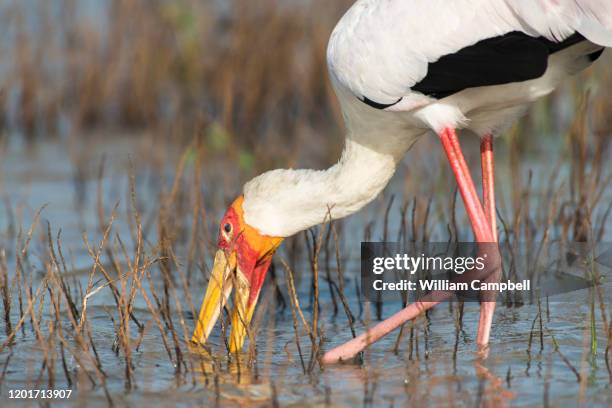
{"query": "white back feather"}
pixel 557 19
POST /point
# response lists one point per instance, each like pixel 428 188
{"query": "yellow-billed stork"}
pixel 400 69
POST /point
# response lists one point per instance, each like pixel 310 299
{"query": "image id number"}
pixel 39 394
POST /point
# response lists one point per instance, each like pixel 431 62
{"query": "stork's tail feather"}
pixel 558 19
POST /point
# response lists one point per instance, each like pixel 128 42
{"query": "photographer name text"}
pixel 450 286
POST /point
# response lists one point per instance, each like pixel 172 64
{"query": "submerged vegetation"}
pixel 143 118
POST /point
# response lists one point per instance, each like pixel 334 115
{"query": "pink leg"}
pixel 488 182
pixel 478 219
pixel 487 309
pixel 351 348
pixel 481 228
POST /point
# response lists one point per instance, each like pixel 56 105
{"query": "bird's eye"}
pixel 227 228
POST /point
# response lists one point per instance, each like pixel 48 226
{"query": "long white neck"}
pixel 284 202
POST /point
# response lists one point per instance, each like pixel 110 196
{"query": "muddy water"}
pixel 434 365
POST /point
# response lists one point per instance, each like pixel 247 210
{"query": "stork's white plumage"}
pixel 402 69
pixel 381 50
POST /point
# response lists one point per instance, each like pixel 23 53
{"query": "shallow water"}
pixel 440 368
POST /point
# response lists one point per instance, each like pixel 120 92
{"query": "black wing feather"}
pixel 512 57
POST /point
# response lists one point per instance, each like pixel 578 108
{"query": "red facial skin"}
pixel 253 261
